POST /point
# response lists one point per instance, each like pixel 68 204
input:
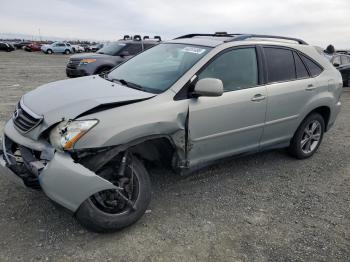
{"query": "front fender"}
pixel 121 125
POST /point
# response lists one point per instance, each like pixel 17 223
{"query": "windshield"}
pixel 111 49
pixel 158 68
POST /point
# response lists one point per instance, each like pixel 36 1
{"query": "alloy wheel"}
pixel 311 137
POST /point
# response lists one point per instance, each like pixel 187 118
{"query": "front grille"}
pixel 25 120
pixel 73 64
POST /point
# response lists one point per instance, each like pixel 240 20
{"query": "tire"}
pixel 49 51
pixel 67 52
pixel 298 147
pixel 91 216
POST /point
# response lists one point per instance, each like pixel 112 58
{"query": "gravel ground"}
pixel 266 207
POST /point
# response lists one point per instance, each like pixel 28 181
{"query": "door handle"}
pixel 257 98
pixel 310 87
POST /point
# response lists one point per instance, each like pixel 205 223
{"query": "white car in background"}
pixel 57 47
pixel 78 49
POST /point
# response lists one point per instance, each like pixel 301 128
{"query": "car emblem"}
pixel 16 113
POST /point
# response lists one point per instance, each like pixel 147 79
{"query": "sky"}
pixel 318 22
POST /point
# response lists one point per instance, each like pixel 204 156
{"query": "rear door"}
pixel 232 123
pixel 290 88
pixel 60 47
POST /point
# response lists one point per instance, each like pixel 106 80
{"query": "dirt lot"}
pixel 266 207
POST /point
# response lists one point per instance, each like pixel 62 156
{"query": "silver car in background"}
pixel 184 103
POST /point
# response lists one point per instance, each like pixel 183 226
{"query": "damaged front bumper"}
pixel 64 181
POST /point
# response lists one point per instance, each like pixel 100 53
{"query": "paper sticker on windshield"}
pixel 195 50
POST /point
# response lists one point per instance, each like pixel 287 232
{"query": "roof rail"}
pixel 217 34
pixel 158 38
pixel 240 37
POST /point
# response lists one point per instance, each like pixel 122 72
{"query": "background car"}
pixel 78 49
pixel 345 51
pixel 57 47
pixel 86 47
pixel 21 44
pixel 109 56
pixel 6 47
pixel 342 63
pixel 33 47
pixel 94 48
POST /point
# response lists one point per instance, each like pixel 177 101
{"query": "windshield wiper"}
pixel 129 84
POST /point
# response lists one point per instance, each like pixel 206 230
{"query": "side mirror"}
pixel 124 53
pixel 336 64
pixel 209 87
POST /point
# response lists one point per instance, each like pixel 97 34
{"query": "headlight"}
pixel 67 133
pixel 86 61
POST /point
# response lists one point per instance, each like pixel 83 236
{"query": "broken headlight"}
pixel 67 133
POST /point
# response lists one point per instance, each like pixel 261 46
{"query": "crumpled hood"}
pixel 69 98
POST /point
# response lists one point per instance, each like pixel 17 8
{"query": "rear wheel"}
pixel 308 137
pixel 111 210
pixel 67 52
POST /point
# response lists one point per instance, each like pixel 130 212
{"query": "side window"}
pixel 133 49
pixel 300 67
pixel 345 60
pixel 237 69
pixel 61 44
pixel 280 64
pixel 314 68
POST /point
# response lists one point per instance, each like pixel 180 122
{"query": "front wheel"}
pixel 308 137
pixel 112 210
pixel 49 51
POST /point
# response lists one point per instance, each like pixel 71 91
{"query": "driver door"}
pixel 232 123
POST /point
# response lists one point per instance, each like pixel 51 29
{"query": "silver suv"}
pixel 184 103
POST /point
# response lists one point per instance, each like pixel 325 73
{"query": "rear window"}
pixel 300 67
pixel 314 68
pixel 280 64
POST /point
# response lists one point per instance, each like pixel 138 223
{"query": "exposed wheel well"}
pixel 159 150
pixel 325 112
